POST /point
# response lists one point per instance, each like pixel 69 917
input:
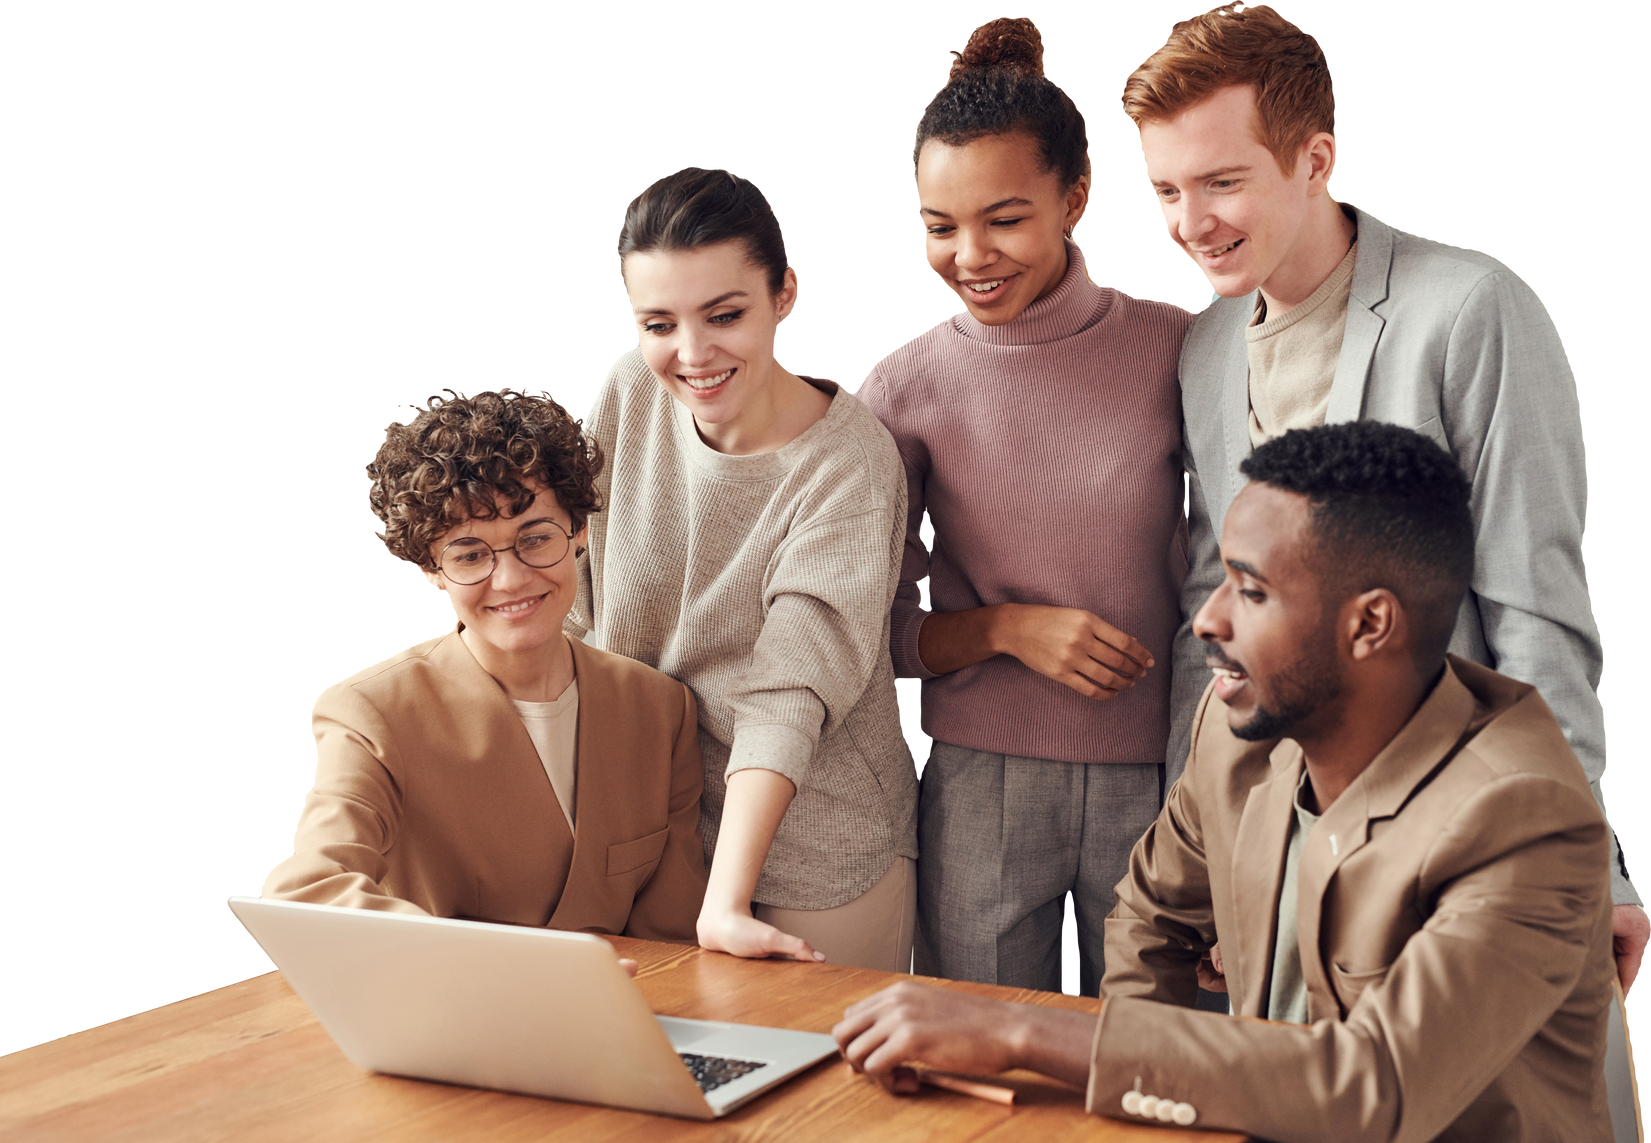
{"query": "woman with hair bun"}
pixel 750 548
pixel 1041 431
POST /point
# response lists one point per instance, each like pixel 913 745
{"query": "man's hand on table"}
pixel 957 1032
pixel 1630 929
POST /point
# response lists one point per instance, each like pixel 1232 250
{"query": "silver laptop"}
pixel 517 1009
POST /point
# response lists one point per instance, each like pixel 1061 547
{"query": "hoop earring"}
pixel 577 552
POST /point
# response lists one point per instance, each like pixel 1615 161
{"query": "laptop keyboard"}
pixel 711 1072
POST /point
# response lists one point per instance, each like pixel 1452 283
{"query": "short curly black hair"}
pixel 997 87
pixel 460 454
pixel 1389 508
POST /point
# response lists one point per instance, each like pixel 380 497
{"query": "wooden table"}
pixel 249 1062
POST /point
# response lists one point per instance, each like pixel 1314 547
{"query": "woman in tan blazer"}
pixel 504 771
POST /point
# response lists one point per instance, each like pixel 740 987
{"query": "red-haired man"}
pixel 1324 314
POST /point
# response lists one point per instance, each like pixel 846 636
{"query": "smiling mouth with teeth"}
pixel 707 382
pixel 1220 250
pixel 984 287
pixel 513 608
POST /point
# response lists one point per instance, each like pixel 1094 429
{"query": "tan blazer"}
pixel 1454 922
pixel 430 797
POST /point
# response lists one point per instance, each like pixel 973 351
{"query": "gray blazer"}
pixel 1451 343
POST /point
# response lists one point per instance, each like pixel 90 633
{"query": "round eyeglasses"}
pixel 468 560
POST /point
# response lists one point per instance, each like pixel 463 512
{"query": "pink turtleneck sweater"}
pixel 1047 453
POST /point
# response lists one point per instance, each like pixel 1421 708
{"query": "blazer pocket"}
pixel 627 856
pixel 1434 430
pixel 1350 983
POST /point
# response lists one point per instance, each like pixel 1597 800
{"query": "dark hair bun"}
pixel 1006 43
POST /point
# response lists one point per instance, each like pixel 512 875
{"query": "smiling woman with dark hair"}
pixel 1041 432
pixel 455 777
pixel 750 548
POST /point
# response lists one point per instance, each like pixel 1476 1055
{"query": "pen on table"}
pixel 987 1091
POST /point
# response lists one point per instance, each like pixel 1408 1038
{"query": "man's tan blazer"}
pixel 430 797
pixel 1454 921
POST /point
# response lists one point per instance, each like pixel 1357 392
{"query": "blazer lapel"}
pixel 1371 268
pixel 1257 874
pixel 587 874
pixel 1381 791
pixel 494 720
pixel 1235 411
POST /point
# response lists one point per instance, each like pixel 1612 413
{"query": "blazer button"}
pixel 1149 1106
pixel 1183 1114
pixel 1165 1111
pixel 1132 1103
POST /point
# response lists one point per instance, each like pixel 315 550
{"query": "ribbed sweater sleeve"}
pixel 907 615
pixel 818 644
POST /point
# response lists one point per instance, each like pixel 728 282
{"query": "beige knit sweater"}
pixel 764 583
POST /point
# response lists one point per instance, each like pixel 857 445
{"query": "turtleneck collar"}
pixel 1075 304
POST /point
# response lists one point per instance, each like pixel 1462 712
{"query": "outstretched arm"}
pixel 351 817
pixel 756 802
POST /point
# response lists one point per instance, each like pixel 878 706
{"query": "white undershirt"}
pixel 553 727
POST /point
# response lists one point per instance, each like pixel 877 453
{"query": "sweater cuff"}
pixel 771 746
pixel 905 624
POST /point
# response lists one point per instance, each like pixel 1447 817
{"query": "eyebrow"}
pixel 1240 565
pixel 519 527
pixel 996 206
pixel 712 304
pixel 1207 175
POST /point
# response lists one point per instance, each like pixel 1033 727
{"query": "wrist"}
pixel 723 904
pixel 715 921
pixel 1019 1034
pixel 1000 628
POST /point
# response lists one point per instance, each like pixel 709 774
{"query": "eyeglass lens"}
pixel 469 560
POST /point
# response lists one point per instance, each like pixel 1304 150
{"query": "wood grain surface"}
pixel 249 1062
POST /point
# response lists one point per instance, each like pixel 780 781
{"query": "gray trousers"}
pixel 1002 840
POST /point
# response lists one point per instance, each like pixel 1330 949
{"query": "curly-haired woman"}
pixel 454 777
pixel 750 548
pixel 1041 431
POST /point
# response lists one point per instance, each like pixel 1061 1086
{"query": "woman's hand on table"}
pixel 756 802
pixel 731 931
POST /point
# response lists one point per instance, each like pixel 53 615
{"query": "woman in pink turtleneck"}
pixel 1041 431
